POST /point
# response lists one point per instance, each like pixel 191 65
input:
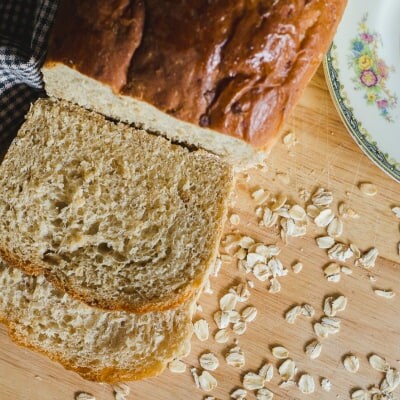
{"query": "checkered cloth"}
pixel 24 28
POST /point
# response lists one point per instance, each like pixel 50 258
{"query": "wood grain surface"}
pixel 325 156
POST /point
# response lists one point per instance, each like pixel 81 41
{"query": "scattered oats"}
pixel 334 305
pixel 249 314
pixel 267 372
pixel 320 330
pixel 119 396
pixel 239 394
pixel 246 242
pixel 306 384
pixel 269 218
pixel 84 396
pixel 278 202
pixel 267 251
pixel 304 194
pixel 307 310
pixel 326 384
pixel 355 250
pixel 231 242
pixel 275 286
pixel 324 218
pixel 297 213
pixel 228 302
pixel 331 324
pixel 287 369
pixel 396 211
pixel 260 196
pixel 325 242
pixel 359 394
pixel 332 269
pixel 259 212
pixel 312 211
pixel 340 252
pixel 234 219
pixel 276 267
pixel 222 336
pixel 261 272
pixel 241 253
pixel 251 284
pixel 280 352
pixel 254 258
pixel 322 198
pixel 235 357
pixel 199 308
pixel 210 398
pixel 221 319
pixel 286 384
pixel 346 270
pixel 391 381
pixel 283 177
pixel 241 291
pixel 234 316
pixel 209 361
pixel 207 287
pixel 367 188
pixel 335 228
pixel 253 381
pixel 177 366
pixel 313 349
pixel 201 330
pixel 290 140
pixel 387 294
pixel 239 328
pixel 347 212
pixel 368 259
pixel 378 363
pixel 297 267
pixel 292 314
pixel 195 375
pixel 372 278
pixel 339 304
pixel 351 363
pixel 207 381
pixel 121 389
pixel 333 278
pixel 264 394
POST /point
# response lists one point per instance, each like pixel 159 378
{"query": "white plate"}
pixel 362 68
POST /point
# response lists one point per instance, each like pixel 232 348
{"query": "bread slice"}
pixel 100 346
pixel 115 217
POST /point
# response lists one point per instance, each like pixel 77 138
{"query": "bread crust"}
pixel 106 375
pixel 239 77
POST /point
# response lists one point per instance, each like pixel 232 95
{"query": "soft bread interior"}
pixel 112 215
pixel 101 346
pixel 66 83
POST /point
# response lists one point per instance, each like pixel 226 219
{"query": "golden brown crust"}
pixel 106 375
pixel 235 67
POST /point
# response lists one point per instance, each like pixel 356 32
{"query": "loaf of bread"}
pixel 114 216
pixel 221 75
pixel 101 346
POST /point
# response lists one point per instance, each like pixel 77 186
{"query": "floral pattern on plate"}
pixel 371 72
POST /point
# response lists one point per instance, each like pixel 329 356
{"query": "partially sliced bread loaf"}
pixel 100 346
pixel 114 216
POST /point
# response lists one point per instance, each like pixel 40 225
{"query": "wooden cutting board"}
pixel 324 156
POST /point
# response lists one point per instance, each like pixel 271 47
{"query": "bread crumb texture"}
pixel 112 215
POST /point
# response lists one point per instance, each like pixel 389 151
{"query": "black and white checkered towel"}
pixel 24 28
